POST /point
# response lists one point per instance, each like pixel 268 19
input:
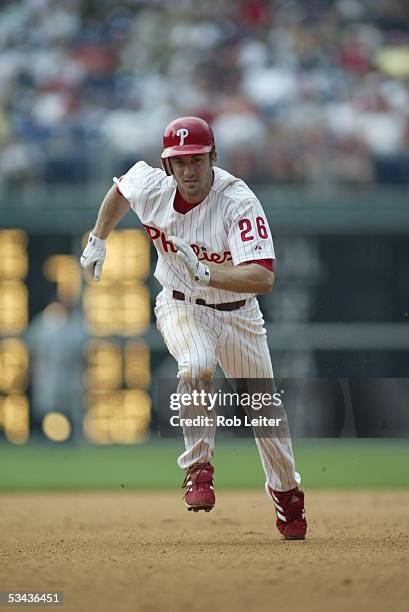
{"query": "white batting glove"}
pixel 197 270
pixel 93 256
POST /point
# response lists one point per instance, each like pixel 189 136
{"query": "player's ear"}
pixel 213 155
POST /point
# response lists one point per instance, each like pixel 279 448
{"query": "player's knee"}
pixel 197 374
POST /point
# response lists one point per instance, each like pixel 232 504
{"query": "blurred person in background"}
pixel 56 338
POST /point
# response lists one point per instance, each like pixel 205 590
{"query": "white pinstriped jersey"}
pixel 227 228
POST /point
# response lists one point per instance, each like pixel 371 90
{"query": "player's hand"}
pixel 197 270
pixel 93 256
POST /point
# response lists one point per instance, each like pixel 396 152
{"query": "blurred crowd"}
pixel 297 91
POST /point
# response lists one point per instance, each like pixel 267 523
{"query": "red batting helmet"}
pixel 186 136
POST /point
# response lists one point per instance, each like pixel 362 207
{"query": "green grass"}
pixel 322 463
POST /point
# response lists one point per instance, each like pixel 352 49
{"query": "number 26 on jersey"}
pixel 247 231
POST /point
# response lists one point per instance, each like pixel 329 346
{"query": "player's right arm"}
pixel 132 190
pixel 113 208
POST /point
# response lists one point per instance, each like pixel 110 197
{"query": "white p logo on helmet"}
pixel 182 133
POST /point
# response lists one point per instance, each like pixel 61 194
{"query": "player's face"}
pixel 194 176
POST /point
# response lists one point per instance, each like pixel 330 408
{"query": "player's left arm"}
pixel 243 278
pixel 247 277
pixel 249 239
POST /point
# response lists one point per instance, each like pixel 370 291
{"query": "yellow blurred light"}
pixel 137 364
pixel 122 431
pixel 117 309
pixel 101 308
pixel 17 437
pixel 138 403
pixel 15 421
pixel 13 307
pixel 102 404
pixel 97 430
pixel 104 365
pixel 14 237
pixel 135 308
pixel 121 417
pixel 120 304
pixel 13 261
pixel 65 271
pixel 13 365
pixel 128 255
pixel 394 61
pixel 56 426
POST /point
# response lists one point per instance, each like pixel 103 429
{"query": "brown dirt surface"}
pixel 143 551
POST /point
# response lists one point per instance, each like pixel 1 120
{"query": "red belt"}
pixel 178 295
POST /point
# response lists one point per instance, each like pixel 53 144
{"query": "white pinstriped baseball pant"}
pixel 198 337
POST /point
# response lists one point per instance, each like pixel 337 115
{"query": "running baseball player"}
pixel 215 254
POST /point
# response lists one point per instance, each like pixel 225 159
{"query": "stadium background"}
pixel 309 103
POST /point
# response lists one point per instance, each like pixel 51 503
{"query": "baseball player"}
pixel 215 254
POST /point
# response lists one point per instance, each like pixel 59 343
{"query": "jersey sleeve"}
pixel 249 234
pixel 266 263
pixel 138 183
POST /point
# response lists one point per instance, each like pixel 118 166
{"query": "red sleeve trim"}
pixel 266 263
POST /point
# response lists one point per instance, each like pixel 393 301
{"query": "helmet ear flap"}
pixel 213 154
pixel 166 166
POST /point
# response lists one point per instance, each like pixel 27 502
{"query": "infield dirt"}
pixel 143 551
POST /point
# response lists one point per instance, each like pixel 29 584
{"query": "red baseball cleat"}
pixel 199 490
pixel 290 512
